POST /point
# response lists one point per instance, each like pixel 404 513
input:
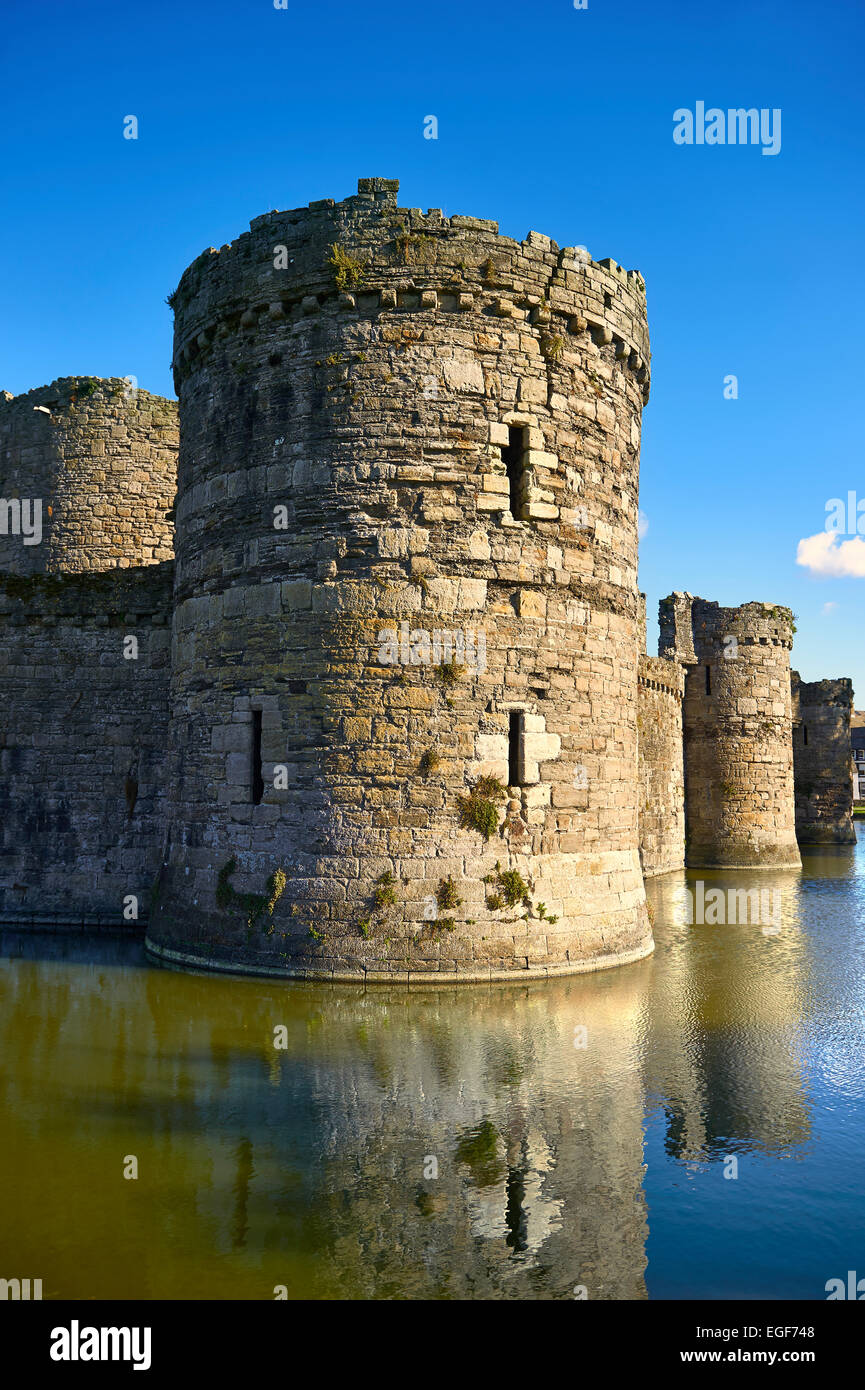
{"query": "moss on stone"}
pixel 253 905
pixel 478 814
pixel 446 894
pixel 348 271
pixel 385 892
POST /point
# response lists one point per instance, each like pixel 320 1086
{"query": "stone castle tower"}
pixel 387 714
pixel 105 454
pixel 403 434
pixel 83 729
pixel 737 729
pixel 822 720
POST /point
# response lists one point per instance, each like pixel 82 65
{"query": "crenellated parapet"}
pixel 368 257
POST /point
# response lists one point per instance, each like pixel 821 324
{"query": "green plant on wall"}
pixel 480 809
pixel 412 246
pixel 429 762
pixel 383 898
pixel 446 894
pixel 448 673
pixel 514 888
pixel 348 271
pixel 385 892
pixel 254 906
pixel 552 347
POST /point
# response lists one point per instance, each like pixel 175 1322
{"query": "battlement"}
pixel 668 677
pixel 737 729
pixel 691 629
pixel 825 692
pixel 660 692
pixel 366 256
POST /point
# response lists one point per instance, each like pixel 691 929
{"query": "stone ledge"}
pixel 410 979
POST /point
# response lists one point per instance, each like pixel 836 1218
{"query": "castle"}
pixel 369 698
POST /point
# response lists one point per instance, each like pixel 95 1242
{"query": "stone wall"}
pixel 356 380
pixel 661 770
pixel 737 722
pixel 99 458
pixel 83 733
pixel 822 763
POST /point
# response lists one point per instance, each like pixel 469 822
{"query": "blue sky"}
pixel 550 119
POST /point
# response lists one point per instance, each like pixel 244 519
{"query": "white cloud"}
pixel 827 554
pixel 828 608
pixel 642 524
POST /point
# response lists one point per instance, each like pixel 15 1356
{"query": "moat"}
pixel 581 1129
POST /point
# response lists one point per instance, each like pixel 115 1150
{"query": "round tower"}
pixel 88 471
pixel 406 609
pixel 822 762
pixel 738 731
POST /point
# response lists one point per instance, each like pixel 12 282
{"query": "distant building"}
pixel 857 734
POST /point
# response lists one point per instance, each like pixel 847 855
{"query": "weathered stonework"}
pixel 83 734
pixel 661 767
pixel 374 404
pixel 101 458
pixel 84 648
pixel 737 723
pixel 822 763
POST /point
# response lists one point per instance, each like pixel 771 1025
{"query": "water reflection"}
pixel 724 1019
pixel 439 1144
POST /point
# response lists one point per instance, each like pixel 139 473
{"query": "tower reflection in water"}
pixel 728 999
pixel 465 1143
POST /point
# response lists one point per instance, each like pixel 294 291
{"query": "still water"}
pixel 558 1166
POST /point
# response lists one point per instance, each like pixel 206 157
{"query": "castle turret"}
pixel 406 610
pixel 822 761
pixel 737 723
pixel 87 475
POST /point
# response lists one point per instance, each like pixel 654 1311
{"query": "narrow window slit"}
pixel 257 779
pixel 513 457
pixel 514 748
pixel 708 680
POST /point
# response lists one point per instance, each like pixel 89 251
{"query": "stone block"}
pixel 463 374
